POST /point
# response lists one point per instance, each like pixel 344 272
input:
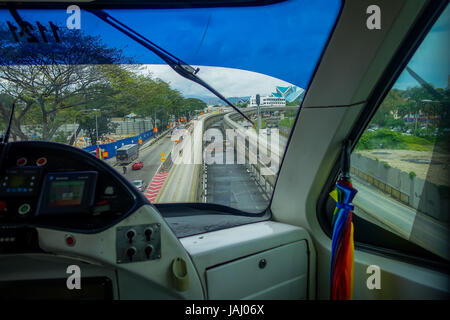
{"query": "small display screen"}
pixel 19 180
pixel 66 193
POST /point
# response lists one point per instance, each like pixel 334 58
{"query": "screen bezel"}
pixel 88 195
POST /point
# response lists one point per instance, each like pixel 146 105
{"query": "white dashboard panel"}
pixel 100 248
pixel 280 273
pixel 217 249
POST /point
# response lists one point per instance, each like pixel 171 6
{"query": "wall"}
pixel 415 192
pixel 111 148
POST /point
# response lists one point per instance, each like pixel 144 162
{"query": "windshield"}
pixel 75 79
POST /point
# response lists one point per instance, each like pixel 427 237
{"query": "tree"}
pixel 46 79
pixel 390 106
pixel 103 124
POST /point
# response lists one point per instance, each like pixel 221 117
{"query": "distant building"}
pixel 268 101
pixel 290 93
pixel 279 97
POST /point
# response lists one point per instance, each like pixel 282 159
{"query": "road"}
pixel 380 209
pixel 151 156
pixel 182 182
pixel 232 185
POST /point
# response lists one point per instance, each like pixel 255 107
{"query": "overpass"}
pixel 238 185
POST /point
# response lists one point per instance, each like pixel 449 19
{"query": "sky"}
pixel 278 44
pixel 283 41
pixel 228 81
pixel 431 61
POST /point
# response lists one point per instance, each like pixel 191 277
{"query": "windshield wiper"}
pixel 179 66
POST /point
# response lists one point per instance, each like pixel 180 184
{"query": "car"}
pixel 140 185
pixel 136 165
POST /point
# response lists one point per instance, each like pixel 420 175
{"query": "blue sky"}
pixel 283 41
pixel 277 42
pixel 431 61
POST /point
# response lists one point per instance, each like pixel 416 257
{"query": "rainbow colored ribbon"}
pixel 342 247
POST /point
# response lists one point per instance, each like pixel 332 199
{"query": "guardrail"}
pixel 266 182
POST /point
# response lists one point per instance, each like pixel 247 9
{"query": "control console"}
pixel 138 243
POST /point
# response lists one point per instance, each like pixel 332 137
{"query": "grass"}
pixel 388 139
pixel 263 124
pixel 287 122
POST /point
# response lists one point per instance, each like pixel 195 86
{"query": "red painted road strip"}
pixel 153 189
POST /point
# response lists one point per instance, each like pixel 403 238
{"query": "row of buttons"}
pixel 19 189
pixel 32 178
pixel 23 161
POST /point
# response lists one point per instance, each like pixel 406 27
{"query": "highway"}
pixel 232 184
pixel 225 184
pixel 377 207
pixel 183 179
pixel 151 156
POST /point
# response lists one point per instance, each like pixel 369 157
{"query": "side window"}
pixel 401 163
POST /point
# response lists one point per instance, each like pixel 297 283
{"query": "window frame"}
pixel 385 242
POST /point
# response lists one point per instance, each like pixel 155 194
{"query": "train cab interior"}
pixel 65 211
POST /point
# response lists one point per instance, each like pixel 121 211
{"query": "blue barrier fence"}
pixel 110 148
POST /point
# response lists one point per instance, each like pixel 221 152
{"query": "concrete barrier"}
pixel 419 194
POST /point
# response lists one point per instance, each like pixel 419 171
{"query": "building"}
pixel 279 97
pixel 290 93
pixel 268 101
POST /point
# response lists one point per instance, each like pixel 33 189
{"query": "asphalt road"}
pixel 151 157
pixel 232 185
pixel 407 222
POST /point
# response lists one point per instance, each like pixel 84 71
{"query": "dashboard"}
pixel 56 202
pixel 62 207
pixel 52 185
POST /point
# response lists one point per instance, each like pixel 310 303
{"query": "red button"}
pixel 2 206
pixel 70 240
pixel 21 161
pixel 41 161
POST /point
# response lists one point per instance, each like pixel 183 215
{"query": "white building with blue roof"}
pixel 279 97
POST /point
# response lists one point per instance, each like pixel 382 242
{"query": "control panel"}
pixel 20 181
pixel 138 243
pixel 44 184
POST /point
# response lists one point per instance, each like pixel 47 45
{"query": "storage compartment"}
pixel 279 273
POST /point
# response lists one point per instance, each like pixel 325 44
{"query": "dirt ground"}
pixel 437 172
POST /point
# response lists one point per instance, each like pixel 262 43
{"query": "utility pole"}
pixel 258 100
pixel 96 129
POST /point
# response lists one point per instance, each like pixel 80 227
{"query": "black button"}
pixel 262 263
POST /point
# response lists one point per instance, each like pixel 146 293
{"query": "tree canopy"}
pixel 57 83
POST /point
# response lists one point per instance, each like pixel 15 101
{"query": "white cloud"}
pixel 227 81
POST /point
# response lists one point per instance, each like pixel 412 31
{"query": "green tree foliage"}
pixel 45 80
pixel 61 83
pixel 388 139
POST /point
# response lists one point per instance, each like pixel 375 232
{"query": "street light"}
pixel 258 101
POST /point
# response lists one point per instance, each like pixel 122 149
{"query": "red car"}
pixel 136 165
